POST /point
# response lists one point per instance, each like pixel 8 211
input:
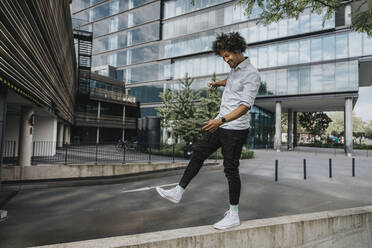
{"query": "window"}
pixel 316 49
pixel 316 78
pixel 283 28
pixel 270 80
pixel 262 32
pixel 367 45
pixel 262 57
pixel 293 52
pixel 304 51
pixel 304 74
pixel 304 21
pixel 342 75
pixel 341 45
pixel 253 56
pixel 329 77
pixel 293 28
pixel 273 59
pixel 283 54
pixel 355 44
pixel 293 81
pixel 315 22
pixel 272 30
pixel 328 47
pixel 281 86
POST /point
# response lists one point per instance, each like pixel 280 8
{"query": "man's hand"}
pixel 212 125
pixel 213 85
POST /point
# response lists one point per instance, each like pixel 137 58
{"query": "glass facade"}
pixel 295 57
pixel 174 8
pixel 145 73
pixel 104 10
pixel 128 19
pixel 253 32
pixel 127 38
pixel 310 79
pixel 200 42
pixel 127 57
pixel 262 131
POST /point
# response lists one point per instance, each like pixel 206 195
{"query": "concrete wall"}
pixel 45 135
pixel 11 135
pixel 14 173
pixel 331 229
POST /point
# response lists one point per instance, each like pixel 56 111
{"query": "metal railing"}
pixel 47 152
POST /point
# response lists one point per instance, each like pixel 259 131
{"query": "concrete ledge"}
pixel 338 228
pixel 44 172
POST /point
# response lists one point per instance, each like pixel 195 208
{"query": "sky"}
pixel 363 107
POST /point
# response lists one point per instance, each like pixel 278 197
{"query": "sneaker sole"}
pixel 164 196
pixel 226 227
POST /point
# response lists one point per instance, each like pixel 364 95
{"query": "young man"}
pixel 229 129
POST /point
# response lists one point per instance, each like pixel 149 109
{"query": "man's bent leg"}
pixel 208 145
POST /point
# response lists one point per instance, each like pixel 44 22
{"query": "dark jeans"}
pixel 232 142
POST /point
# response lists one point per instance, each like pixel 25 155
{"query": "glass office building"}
pixel 153 44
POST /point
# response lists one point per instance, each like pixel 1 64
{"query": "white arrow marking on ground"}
pixel 147 188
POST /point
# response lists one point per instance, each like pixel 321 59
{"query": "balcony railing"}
pixel 84 119
pixel 111 95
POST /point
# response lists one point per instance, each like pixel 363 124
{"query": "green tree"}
pixel 179 111
pixel 336 127
pixel 368 130
pixel 315 123
pixel 209 106
pixel 275 10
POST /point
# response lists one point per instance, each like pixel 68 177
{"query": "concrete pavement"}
pixel 65 214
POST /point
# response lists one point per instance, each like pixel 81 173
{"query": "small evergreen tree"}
pixel 209 106
pixel 179 111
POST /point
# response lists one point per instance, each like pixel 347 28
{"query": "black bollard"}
pixel 353 161
pixel 150 155
pixel 304 169
pixel 96 153
pixel 65 154
pixel 276 170
pixel 173 153
pixel 330 168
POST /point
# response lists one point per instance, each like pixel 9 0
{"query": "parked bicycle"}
pixel 125 145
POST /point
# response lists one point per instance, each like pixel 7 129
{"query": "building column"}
pixel 3 105
pixel 289 130
pixel 69 135
pixel 278 126
pixel 60 135
pixel 97 136
pixel 123 132
pixel 66 135
pixel 348 126
pixel 295 129
pixel 25 136
pixel 98 119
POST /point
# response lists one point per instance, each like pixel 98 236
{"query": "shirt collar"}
pixel 243 64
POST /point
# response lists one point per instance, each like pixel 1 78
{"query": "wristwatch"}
pixel 223 119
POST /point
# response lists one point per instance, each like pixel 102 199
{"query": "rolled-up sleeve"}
pixel 250 89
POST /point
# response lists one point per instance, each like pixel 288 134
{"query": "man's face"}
pixel 233 59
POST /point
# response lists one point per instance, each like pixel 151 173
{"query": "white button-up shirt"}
pixel 241 87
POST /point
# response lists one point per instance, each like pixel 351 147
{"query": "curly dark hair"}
pixel 232 42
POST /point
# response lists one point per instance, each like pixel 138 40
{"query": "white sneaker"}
pixel 174 194
pixel 230 219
